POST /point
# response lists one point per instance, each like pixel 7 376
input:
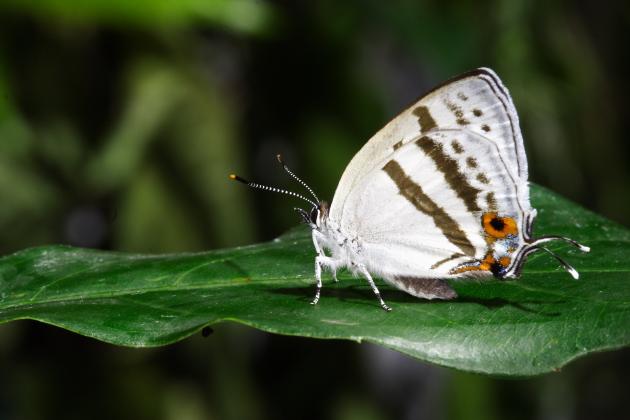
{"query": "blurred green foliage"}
pixel 120 120
pixel 247 16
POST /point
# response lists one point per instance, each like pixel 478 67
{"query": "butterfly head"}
pixel 319 214
pixel 316 218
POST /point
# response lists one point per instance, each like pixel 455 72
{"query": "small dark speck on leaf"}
pixel 206 332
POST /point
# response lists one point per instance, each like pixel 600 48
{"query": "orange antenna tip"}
pixel 234 177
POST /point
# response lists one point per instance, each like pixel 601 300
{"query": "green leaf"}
pixel 529 326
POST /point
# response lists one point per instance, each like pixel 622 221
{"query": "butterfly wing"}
pixel 421 210
pixel 441 191
pixel 476 102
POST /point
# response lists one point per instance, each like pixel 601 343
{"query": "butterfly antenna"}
pixel 286 168
pixel 266 188
pixel 566 265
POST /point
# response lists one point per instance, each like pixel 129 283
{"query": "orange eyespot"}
pixel 498 227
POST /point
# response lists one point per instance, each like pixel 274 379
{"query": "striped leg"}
pixel 322 261
pixel 318 266
pixel 318 277
pixel 367 275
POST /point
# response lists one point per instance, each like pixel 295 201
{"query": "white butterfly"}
pixel 439 193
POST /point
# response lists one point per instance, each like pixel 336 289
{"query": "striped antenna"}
pixel 266 188
pixel 286 168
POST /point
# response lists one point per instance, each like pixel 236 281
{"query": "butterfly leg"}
pixel 368 277
pixel 331 265
pixel 318 267
pixel 322 261
pixel 318 277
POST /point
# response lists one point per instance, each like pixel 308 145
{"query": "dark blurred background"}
pixel 120 120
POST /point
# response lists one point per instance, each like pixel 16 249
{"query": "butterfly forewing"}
pixel 476 103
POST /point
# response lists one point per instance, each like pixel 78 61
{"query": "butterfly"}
pixel 440 192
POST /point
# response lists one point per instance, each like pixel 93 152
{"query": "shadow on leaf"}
pixel 363 295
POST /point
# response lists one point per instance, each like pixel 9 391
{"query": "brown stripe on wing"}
pixel 424 118
pixel 416 196
pixel 450 169
pixel 445 260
